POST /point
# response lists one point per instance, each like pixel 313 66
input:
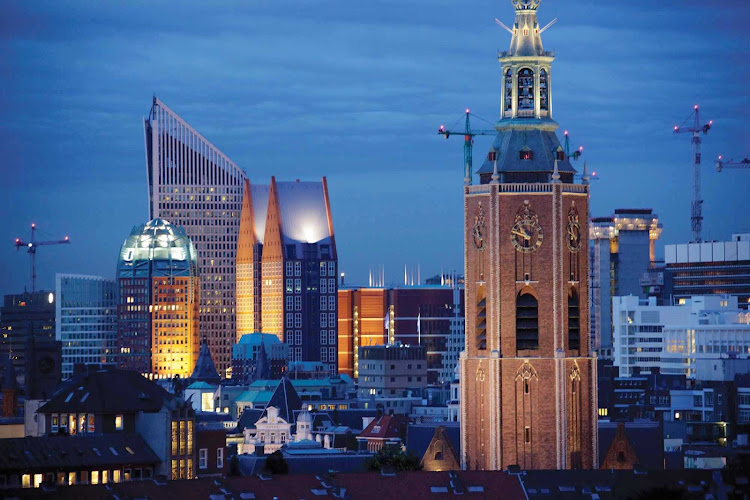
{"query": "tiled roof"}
pixel 363 485
pixel 107 391
pixel 645 438
pixel 385 427
pixel 508 144
pixel 66 452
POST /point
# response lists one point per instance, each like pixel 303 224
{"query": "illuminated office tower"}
pixel 299 269
pixel 196 186
pixel 157 303
pixel 249 253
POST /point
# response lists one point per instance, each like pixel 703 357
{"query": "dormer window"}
pixel 526 154
pixel 492 156
pixel 526 32
pixel 560 154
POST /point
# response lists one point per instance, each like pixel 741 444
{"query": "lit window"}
pixel 526 154
pixel 118 422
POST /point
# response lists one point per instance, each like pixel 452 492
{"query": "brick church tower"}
pixel 528 382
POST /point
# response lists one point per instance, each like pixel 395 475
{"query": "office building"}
pixel 621 250
pixel 259 356
pixel 28 320
pixel 392 371
pixel 708 268
pixel 86 311
pixel 287 279
pixel 670 339
pixel 528 382
pixel 158 296
pixel 428 315
pixel 196 186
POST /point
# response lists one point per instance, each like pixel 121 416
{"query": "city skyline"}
pixel 364 112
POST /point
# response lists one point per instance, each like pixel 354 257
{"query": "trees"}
pixel 275 463
pixel 395 458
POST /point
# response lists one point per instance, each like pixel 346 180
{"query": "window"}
pixel 220 457
pixel 331 268
pixel 324 354
pixel 203 458
pixel 297 286
pixel 323 285
pixel 289 268
pixel 323 337
pixel 297 269
pixel 527 322
pixel 323 303
pixel 323 323
pixel 331 302
pixel 331 285
pixel 298 338
pixel 289 302
pixel 574 329
pixel 481 328
pixel 332 337
pixel 332 320
pixel 289 286
pixel 322 268
pixel 290 320
pixel 526 154
pixel 297 320
pixel 94 477
pixel 91 423
pixel 527 434
pixel 118 422
pixel 543 90
pixel 331 354
pixel 526 92
pixel 55 422
pixel 508 90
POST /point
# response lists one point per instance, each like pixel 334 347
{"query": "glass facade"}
pixel 86 321
pixel 157 303
pixel 198 187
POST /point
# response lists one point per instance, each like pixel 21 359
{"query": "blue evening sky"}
pixel 354 91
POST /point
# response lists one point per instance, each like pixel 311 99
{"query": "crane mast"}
pixel 696 207
pixel 31 246
pixel 468 141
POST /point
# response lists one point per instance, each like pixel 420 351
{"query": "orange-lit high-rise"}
pixel 158 299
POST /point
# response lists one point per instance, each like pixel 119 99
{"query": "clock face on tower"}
pixel 526 234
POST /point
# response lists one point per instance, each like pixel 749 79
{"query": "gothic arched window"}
pixel 525 91
pixel 574 321
pixel 508 90
pixel 527 322
pixel 543 91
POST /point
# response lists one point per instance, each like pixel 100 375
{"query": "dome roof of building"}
pixel 158 240
pixel 304 417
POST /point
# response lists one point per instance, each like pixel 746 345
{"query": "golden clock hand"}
pixel 522 235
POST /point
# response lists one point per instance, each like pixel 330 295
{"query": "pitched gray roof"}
pixel 205 370
pixel 510 142
pixel 286 399
pixel 107 391
pixel 67 452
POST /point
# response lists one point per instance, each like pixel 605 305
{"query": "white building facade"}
pixel 86 320
pixel 672 338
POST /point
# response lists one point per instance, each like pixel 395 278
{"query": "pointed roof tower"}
pixel 286 399
pixel 10 382
pixel 526 40
pixel 262 366
pixel 205 370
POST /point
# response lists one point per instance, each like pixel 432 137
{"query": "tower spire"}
pixel 526 40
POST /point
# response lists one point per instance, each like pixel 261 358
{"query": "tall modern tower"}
pixel 196 186
pixel 528 384
pixel 158 296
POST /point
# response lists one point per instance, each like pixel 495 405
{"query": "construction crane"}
pixel 696 209
pixel 468 134
pixel 722 164
pixel 31 248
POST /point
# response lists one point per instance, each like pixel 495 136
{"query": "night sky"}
pixel 354 91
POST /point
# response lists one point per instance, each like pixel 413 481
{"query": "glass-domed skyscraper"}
pixel 158 301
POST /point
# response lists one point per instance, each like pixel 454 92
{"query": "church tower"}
pixel 528 382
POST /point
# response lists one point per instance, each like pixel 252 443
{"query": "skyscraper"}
pixel 196 186
pixel 528 385
pixel 86 323
pixel 158 296
pixel 622 249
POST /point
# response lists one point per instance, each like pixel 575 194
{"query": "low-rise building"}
pixel 258 356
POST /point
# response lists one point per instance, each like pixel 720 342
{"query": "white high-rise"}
pixel 86 320
pixel 194 185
